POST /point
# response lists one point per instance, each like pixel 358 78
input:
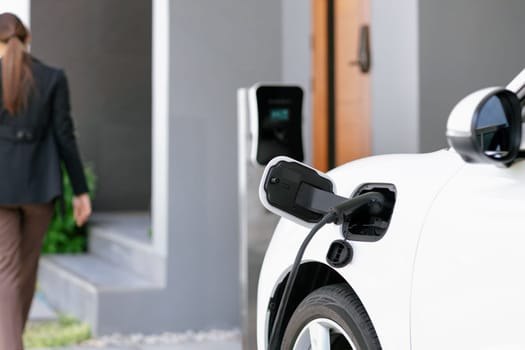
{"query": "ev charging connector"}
pixel 294 190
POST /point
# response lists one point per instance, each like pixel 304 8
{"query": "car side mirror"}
pixel 294 190
pixel 485 127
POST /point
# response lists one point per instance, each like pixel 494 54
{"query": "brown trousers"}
pixel 22 230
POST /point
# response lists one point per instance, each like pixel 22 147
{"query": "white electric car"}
pixel 422 251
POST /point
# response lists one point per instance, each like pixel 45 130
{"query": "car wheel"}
pixel 330 318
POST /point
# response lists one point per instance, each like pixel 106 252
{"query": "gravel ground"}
pixel 119 340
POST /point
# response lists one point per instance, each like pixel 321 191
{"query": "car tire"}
pixel 331 317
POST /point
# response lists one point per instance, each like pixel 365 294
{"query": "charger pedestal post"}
pixel 282 108
pixel 256 226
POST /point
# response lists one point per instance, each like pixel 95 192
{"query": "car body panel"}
pixel 381 272
pixel 467 291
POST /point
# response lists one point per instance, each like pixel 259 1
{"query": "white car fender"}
pixel 380 272
pixel 467 281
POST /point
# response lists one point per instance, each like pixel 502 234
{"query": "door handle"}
pixel 363 55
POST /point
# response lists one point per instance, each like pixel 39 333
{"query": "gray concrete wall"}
pixel 105 48
pixel 465 45
pixel 394 76
pixel 297 59
pixel 216 47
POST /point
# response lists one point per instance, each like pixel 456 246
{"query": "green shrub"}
pixel 63 235
pixel 65 331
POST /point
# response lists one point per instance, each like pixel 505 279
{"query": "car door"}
pixel 468 288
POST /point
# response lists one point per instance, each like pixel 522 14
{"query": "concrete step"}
pixel 123 239
pixel 135 225
pixel 41 311
pixel 86 287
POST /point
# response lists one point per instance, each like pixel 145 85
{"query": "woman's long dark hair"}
pixel 17 78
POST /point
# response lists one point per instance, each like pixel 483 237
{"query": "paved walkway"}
pixel 40 311
pixel 192 346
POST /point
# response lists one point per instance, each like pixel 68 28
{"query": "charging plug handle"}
pixel 374 200
pixel 322 202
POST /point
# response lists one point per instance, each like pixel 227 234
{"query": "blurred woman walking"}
pixel 36 137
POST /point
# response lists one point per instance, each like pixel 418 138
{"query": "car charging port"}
pixel 365 225
pixel 339 254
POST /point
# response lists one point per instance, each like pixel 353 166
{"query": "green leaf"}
pixel 63 235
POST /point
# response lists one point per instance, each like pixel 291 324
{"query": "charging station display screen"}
pixel 280 122
pixel 280 114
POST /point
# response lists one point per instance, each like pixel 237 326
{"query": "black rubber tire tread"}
pixel 340 304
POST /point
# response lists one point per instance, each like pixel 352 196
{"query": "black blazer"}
pixel 34 143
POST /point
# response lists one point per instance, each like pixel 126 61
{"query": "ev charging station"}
pixel 269 125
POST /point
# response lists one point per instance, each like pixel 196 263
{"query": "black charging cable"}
pixel 335 215
pixel 274 337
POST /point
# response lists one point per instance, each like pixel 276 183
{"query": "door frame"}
pixel 327 84
pixel 160 113
pixel 320 86
pixel 160 160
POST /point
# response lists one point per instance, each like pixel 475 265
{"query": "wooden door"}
pixel 341 91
